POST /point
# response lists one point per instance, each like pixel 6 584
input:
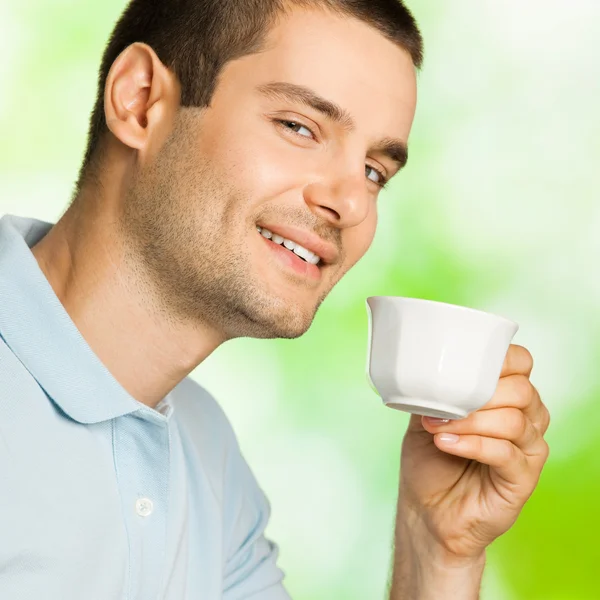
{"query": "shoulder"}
pixel 190 398
pixel 201 416
pixel 208 434
pixel 207 437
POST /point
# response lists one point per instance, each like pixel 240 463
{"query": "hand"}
pixel 466 494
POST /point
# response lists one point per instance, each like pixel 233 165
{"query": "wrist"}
pixel 425 570
pixel 438 582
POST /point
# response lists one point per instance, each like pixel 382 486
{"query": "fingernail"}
pixel 436 421
pixel 448 438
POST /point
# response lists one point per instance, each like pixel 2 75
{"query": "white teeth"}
pixel 302 252
pixel 297 249
pixel 307 255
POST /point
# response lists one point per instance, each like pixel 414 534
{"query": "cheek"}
pixel 258 161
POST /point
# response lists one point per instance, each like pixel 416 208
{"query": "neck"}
pixel 113 304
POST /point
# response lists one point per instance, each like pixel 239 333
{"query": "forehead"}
pixel 344 60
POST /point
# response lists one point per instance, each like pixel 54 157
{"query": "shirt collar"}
pixel 39 331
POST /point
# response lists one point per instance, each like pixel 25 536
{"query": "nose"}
pixel 343 203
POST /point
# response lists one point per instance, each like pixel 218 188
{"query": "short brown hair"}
pixel 197 38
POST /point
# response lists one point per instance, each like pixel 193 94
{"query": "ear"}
pixel 141 98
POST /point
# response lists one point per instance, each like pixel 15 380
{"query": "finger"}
pixel 518 392
pixel 508 461
pixel 518 361
pixel 509 424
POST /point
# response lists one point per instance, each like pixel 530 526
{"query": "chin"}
pixel 287 322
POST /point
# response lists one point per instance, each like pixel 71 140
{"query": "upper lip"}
pixel 326 251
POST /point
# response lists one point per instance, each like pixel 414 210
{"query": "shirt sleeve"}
pixel 251 571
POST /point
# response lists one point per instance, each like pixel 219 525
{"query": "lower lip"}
pixel 292 261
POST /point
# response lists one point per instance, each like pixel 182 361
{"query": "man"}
pixel 235 156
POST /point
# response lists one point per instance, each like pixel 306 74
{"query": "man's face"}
pixel 270 157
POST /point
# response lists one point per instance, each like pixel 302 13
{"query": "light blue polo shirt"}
pixel 102 497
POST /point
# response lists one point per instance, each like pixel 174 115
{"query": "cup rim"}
pixel 407 299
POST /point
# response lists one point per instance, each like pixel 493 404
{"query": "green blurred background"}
pixel 496 210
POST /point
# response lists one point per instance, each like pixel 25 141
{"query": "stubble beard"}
pixel 188 271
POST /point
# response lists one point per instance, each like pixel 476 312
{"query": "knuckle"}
pixel 540 454
pixel 508 451
pixel 518 423
pixel 478 443
pixel 546 451
pixel 527 358
pixel 547 418
pixel 522 390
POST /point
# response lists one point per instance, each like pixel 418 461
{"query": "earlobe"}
pixel 138 95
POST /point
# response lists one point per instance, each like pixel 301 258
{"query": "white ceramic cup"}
pixel 435 359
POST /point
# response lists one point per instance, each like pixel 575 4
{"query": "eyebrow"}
pixel 281 90
pixel 395 149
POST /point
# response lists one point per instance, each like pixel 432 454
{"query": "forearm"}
pixel 423 572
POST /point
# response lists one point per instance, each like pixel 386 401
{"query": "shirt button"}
pixel 144 507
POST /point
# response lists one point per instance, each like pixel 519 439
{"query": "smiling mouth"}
pixel 297 249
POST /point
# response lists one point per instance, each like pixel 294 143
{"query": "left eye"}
pixel 379 178
pixel 297 127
